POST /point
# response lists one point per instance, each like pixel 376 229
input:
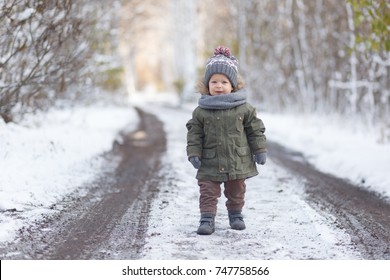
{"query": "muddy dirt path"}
pixel 363 214
pixel 110 221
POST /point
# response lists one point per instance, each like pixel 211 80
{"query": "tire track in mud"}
pixel 110 221
pixel 122 215
pixel 363 214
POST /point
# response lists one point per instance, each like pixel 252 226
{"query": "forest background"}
pixel 324 57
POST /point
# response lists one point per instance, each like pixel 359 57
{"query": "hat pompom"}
pixel 222 50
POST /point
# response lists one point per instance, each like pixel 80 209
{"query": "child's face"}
pixel 219 84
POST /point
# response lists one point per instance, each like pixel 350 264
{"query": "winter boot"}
pixel 207 224
pixel 236 220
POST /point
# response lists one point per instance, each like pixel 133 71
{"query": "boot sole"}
pixel 201 232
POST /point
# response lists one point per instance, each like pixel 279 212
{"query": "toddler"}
pixel 224 141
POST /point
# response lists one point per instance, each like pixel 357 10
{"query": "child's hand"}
pixel 195 161
pixel 261 158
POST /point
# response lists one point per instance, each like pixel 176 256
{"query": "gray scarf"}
pixel 223 101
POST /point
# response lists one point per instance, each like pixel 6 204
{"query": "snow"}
pixel 52 155
pixel 48 156
pixel 337 147
pixel 24 15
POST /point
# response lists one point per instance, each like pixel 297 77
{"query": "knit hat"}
pixel 222 63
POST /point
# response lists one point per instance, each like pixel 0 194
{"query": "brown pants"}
pixel 210 191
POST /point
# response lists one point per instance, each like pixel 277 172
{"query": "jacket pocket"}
pixel 244 153
pixel 209 165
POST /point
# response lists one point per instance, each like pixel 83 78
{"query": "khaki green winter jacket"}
pixel 225 141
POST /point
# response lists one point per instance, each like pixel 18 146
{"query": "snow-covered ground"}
pixel 336 146
pixel 49 156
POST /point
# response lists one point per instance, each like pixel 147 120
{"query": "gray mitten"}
pixel 195 161
pixel 261 158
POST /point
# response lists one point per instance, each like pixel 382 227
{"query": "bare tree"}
pixel 309 56
pixel 45 47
